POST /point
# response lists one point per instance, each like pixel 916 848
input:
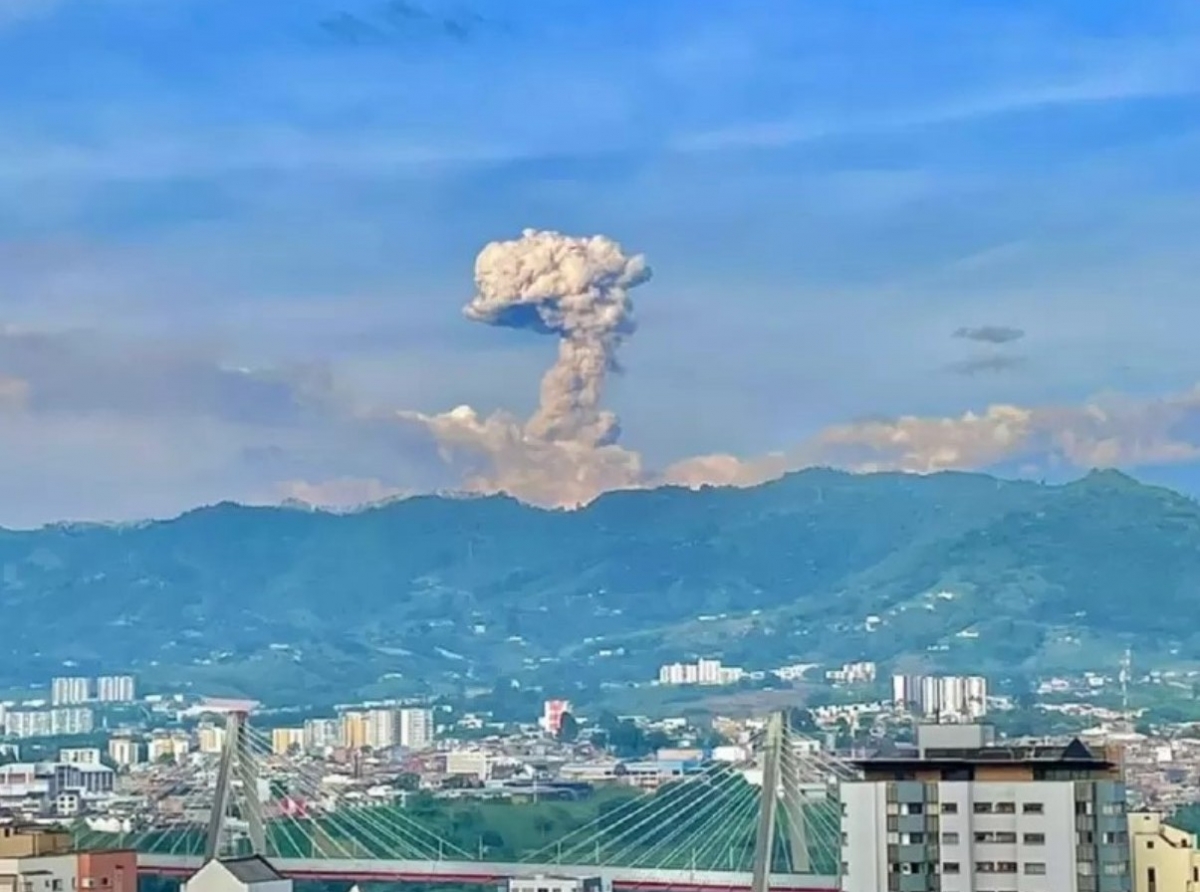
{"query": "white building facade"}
pixel 416 728
pixel 987 819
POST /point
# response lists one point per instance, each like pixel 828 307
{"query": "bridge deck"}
pixel 484 872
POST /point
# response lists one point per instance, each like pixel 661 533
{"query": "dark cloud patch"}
pixel 101 427
pixel 986 365
pixel 84 373
pixel 351 30
pixel 990 334
pixel 399 21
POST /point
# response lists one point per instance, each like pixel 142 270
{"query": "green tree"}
pixel 568 728
pixel 407 781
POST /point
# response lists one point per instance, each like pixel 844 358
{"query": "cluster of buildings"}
pixel 944 698
pixel 42 859
pixel 70 711
pixel 58 721
pixel 71 690
pixel 703 671
pixel 957 810
pixel 863 672
pixel 65 787
pixel 375 729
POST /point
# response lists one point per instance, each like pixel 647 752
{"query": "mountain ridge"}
pixel 276 602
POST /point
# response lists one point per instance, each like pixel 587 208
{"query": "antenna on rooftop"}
pixel 1126 669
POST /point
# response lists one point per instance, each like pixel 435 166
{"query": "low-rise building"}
pixel 39 859
pixel 543 883
pixel 251 874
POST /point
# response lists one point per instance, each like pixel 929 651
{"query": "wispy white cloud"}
pixel 16 11
pixel 800 128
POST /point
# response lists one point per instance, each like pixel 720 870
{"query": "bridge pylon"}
pixel 237 769
pixel 780 789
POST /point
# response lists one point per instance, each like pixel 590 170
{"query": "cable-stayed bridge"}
pixel 771 822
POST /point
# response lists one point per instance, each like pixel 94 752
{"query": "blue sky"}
pixel 236 238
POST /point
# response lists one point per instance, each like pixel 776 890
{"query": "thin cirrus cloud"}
pixel 990 364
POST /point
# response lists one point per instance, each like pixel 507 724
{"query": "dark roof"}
pixel 252 869
pixel 1074 754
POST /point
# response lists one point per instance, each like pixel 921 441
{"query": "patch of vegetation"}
pixel 432 595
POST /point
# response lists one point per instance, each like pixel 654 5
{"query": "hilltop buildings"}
pixel 703 671
pixel 73 690
pixel 953 698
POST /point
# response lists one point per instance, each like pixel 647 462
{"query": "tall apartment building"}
pixel 956 698
pixel 322 734
pixel 965 815
pixel 286 740
pixel 70 690
pixel 1165 858
pixel 116 689
pixel 210 739
pixel 416 728
pixel 168 748
pixel 124 752
pixel 703 671
pixel 552 715
pixel 62 721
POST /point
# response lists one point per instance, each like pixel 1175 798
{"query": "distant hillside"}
pixel 961 569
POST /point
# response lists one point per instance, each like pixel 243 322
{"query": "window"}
pixel 1006 808
pixel 56 885
pixel 1034 839
pixel 1151 880
pixel 951 867
pixel 1033 808
pixel 1116 868
pixel 1006 867
pixel 913 808
pixel 1035 868
pixel 1120 838
pixel 1003 836
pixel 982 808
pixel 949 808
pixel 949 839
pixel 985 867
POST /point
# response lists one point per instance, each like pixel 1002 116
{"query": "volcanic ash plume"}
pixel 576 289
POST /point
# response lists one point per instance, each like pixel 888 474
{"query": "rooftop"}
pixel 251 869
pixel 1075 753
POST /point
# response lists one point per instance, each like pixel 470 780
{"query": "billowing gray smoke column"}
pixel 578 290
